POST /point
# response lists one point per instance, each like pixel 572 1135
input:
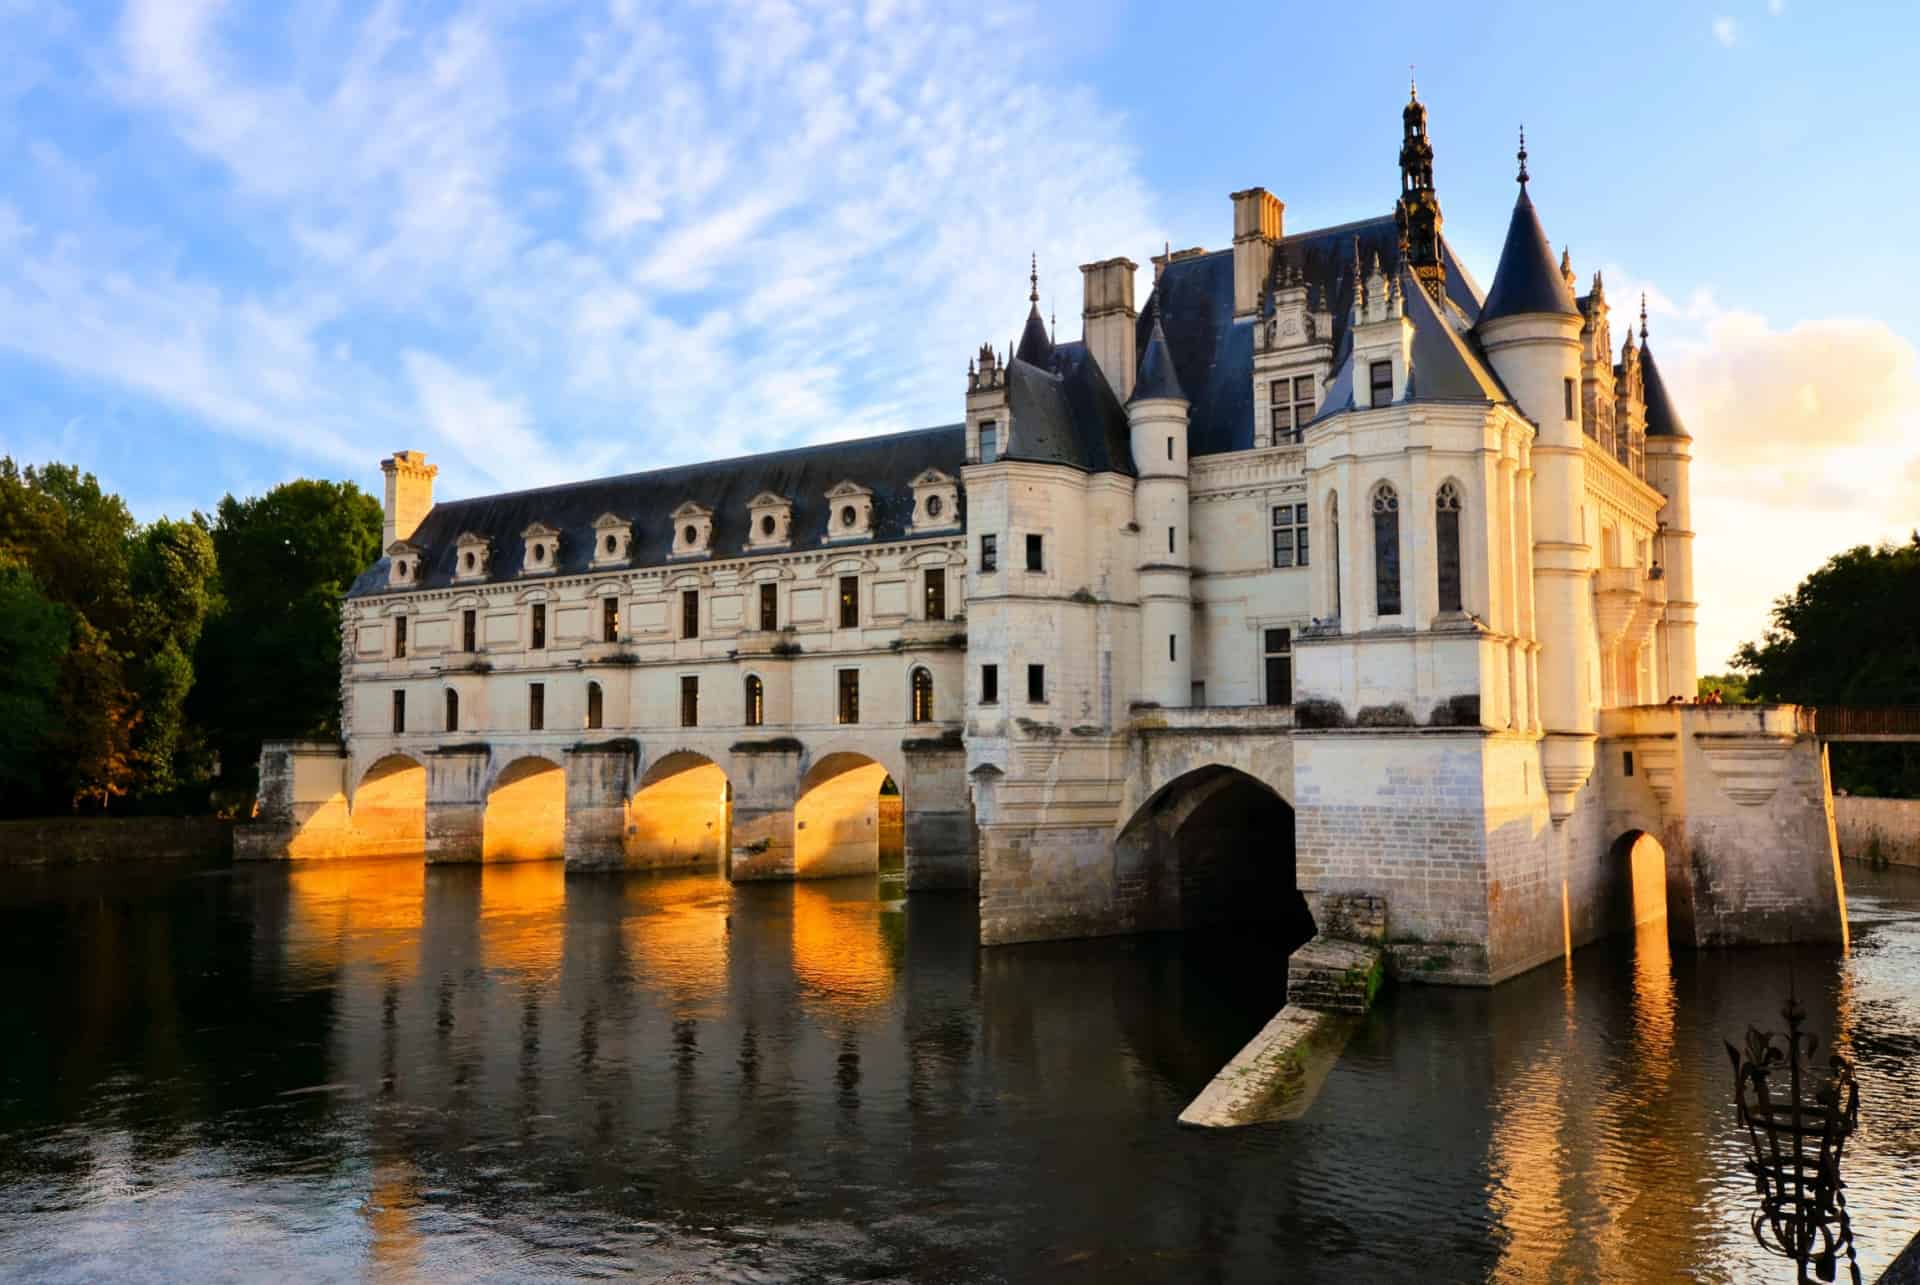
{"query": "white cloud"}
pixel 1776 7
pixel 1726 31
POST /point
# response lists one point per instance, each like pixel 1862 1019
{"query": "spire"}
pixel 1662 419
pixel 1527 280
pixel 1417 214
pixel 1033 278
pixel 1566 266
pixel 1035 346
pixel 1643 317
pixel 1523 158
pixel 1156 377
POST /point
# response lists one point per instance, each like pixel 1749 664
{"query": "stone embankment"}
pixel 1331 982
pixel 1878 830
pixel 44 841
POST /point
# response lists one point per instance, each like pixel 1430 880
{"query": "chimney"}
pixel 1107 318
pixel 409 494
pixel 1258 220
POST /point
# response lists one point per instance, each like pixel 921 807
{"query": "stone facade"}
pixel 1326 574
pixel 1885 830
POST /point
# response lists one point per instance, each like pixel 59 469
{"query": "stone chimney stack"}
pixel 1258 224
pixel 1107 320
pixel 409 494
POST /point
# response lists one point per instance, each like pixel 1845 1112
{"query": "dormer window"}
pixel 851 508
pixel 612 540
pixel 769 521
pixel 1290 406
pixel 692 530
pixel 542 555
pixel 936 501
pixel 403 567
pixel 1380 382
pixel 470 557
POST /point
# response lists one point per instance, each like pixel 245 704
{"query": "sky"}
pixel 241 243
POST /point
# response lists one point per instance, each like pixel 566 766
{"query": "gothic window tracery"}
pixel 1446 524
pixel 1386 550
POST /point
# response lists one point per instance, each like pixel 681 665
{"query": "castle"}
pixel 1324 571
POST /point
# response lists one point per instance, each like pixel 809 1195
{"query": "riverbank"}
pixel 1878 830
pixel 60 841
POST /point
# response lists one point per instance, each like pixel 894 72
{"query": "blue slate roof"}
pixel 886 465
pixel 1156 377
pixel 1662 419
pixel 1527 280
pixel 1065 412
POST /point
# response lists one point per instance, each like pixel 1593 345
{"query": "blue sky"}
pixel 246 242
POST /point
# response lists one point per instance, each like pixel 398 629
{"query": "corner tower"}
pixel 1157 423
pixel 1669 459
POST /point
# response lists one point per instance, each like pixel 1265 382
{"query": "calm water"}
pixel 376 1070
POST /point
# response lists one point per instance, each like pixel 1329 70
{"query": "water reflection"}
pixel 383 1069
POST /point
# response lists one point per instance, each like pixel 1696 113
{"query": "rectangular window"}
pixel 1169 448
pixel 989 684
pixel 1173 647
pixel 1197 695
pixel 849 696
pixel 609 620
pixel 1037 684
pixel 1170 548
pixel 1278 647
pixel 536 706
pixel 469 631
pixel 769 607
pixel 989 442
pixel 689 701
pixel 1566 389
pixel 849 602
pixel 1289 535
pixel 399 637
pixel 399 713
pixel 1380 375
pixel 1035 550
pixel 539 637
pixel 1626 762
pixel 936 594
pixel 989 553
pixel 596 707
pixel 1291 403
pixel 689 613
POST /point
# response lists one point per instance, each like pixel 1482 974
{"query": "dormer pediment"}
pixel 403 564
pixel 542 554
pixel 470 554
pixel 769 521
pixel 849 511
pixel 612 540
pixel 692 530
pixel 936 501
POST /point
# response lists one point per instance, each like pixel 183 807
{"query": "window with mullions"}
pixel 849 696
pixel 1380 383
pixel 689 613
pixel 849 602
pixel 936 594
pixel 1290 535
pixel 1446 533
pixel 539 625
pixel 469 630
pixel 1386 550
pixel 1278 652
pixel 596 707
pixel 1290 407
pixel 609 620
pixel 922 696
pixel 756 695
pixel 689 701
pixel 769 607
pixel 399 637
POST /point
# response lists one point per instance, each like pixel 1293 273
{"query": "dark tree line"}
pixel 141 666
pixel 1849 635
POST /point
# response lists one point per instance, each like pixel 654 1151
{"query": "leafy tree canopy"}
pixel 33 641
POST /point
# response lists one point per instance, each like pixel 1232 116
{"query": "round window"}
pixel 691 535
pixel 766 524
pixel 539 553
pixel 469 562
pixel 613 543
pixel 934 506
pixel 848 516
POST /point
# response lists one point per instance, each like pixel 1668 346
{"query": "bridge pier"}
pixel 456 803
pixel 600 780
pixel 943 848
pixel 766 782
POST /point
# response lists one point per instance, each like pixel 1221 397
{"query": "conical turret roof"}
pixel 1662 419
pixel 1036 346
pixel 1527 280
pixel 1156 377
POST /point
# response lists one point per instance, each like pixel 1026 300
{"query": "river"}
pixel 378 1070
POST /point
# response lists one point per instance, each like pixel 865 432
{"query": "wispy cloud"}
pixel 661 232
pixel 1726 30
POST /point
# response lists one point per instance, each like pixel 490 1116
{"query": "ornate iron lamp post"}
pixel 1797 1140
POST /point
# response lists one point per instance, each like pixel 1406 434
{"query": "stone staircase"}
pixel 1340 970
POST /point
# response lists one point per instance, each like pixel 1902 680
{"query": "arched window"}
pixel 453 710
pixel 756 701
pixel 922 696
pixel 596 706
pixel 1386 550
pixel 1333 549
pixel 1446 539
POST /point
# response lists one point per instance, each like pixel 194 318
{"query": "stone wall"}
pixel 72 840
pixel 1878 829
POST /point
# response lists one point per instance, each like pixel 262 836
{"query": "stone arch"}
pixel 1214 846
pixel 388 813
pixel 1157 761
pixel 681 813
pixel 1637 865
pixel 525 815
pixel 838 815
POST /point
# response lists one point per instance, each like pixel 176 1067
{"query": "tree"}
pixel 1731 688
pixel 1849 635
pixel 33 642
pixel 172 579
pixel 90 740
pixel 269 658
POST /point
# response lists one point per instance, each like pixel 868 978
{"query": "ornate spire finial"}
pixel 1053 323
pixel 1033 279
pixel 1413 86
pixel 1523 156
pixel 1643 316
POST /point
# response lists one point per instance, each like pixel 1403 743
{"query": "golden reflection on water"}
pixel 354 912
pixel 676 939
pixel 523 908
pixel 842 954
pixel 395 1242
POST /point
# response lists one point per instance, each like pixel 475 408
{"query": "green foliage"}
pixel 1849 635
pixel 33 641
pixel 90 741
pixel 269 658
pixel 1732 688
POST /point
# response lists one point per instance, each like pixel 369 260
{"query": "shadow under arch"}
pixel 843 810
pixel 1638 863
pixel 680 815
pixel 526 812
pixel 388 813
pixel 1213 846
